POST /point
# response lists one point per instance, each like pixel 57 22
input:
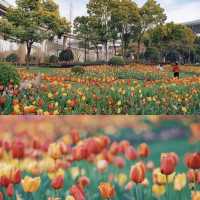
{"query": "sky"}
pixel 176 10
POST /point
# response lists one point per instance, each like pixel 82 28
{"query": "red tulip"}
pixel 168 164
pixel 1 196
pixel 131 153
pixel 192 160
pixel 18 149
pixel 77 192
pixel 10 190
pixel 84 181
pixel 4 181
pixel 58 183
pixel 137 173
pixel 119 162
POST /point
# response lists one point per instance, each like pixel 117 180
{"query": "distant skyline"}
pixel 176 10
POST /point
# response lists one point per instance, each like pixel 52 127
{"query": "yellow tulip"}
pixel 158 190
pixel 55 151
pixel 69 198
pixel 180 182
pixel 122 179
pixel 30 184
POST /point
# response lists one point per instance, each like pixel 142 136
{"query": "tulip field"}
pixel 134 89
pixel 78 166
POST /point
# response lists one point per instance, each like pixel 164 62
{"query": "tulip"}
pixel 54 151
pixel 158 190
pixel 57 183
pixel 180 182
pixel 131 153
pixel 69 197
pixel 102 165
pixel 144 150
pixel 1 196
pixel 168 164
pixel 137 173
pixel 119 162
pixel 198 177
pixel 75 136
pixel 10 190
pixel 18 149
pixel 30 184
pixel 196 195
pixel 4 181
pixel 191 176
pixel 83 181
pixel 122 179
pixel 15 176
pixel 77 192
pixel 192 160
pixel 107 191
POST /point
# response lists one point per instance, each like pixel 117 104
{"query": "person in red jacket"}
pixel 176 70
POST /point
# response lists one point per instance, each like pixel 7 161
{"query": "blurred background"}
pixel 133 128
pixel 179 134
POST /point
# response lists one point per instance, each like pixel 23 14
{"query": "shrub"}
pixel 13 58
pixel 78 70
pixel 66 55
pixel 53 59
pixel 117 61
pixel 8 73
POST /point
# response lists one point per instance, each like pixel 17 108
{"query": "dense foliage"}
pixel 8 75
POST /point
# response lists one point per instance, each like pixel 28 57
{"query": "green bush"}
pixel 117 61
pixel 8 73
pixel 13 58
pixel 66 55
pixel 53 59
pixel 78 70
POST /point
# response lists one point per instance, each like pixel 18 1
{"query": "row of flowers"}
pixel 93 168
pixel 63 94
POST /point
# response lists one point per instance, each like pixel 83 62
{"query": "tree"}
pixel 33 21
pixel 124 20
pixel 175 38
pixel 82 30
pixel 101 11
pixel 151 15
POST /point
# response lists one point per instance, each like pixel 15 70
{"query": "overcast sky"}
pixel 176 10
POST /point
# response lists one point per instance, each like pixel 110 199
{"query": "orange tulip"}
pixel 107 191
pixel 144 150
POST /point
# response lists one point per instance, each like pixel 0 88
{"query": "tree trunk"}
pixel 85 51
pixel 29 48
pixel 97 53
pixel 114 46
pixel 106 46
pixel 138 49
